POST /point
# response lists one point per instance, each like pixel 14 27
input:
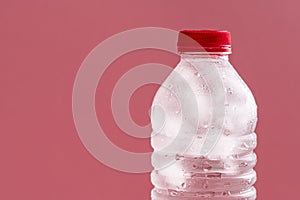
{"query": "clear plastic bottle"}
pixel 203 119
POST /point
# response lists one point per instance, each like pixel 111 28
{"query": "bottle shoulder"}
pixel 203 95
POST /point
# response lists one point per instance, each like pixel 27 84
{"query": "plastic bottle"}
pixel 203 118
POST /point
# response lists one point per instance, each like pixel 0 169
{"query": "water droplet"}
pixel 205 185
pixel 202 157
pixel 243 164
pixel 183 185
pixel 206 167
pixel 229 90
pixel 195 166
pixel 197 74
pixel 234 156
pixel 178 157
pixel 246 182
pixel 199 136
pixel 204 87
pixel 227 193
pixel 173 193
pixel 227 132
pixel 177 111
pixel 158 191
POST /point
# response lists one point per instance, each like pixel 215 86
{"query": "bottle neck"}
pixel 205 55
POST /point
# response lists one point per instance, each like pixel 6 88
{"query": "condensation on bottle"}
pixel 203 119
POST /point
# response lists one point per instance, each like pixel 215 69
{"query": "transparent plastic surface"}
pixel 225 169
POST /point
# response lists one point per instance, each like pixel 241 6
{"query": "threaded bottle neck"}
pixel 204 55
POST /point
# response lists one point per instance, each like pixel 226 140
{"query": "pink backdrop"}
pixel 42 46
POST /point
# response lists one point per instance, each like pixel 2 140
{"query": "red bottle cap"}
pixel 204 41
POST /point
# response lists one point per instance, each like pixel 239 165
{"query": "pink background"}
pixel 42 46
